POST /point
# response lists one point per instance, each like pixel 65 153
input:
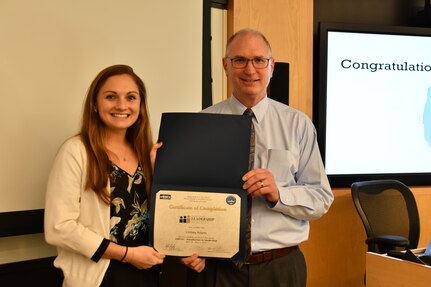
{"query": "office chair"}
pixel 389 213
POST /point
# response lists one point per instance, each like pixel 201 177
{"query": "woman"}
pixel 96 211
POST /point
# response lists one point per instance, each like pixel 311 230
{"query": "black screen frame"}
pixel 320 99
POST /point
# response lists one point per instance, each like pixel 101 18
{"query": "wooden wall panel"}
pixel 423 200
pixel 335 251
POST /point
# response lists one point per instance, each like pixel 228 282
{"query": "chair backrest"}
pixel 387 207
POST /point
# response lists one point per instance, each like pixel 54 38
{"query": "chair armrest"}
pixel 392 240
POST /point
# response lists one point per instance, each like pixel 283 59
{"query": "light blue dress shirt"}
pixel 286 144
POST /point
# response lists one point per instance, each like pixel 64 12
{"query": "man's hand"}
pixel 194 262
pixel 260 181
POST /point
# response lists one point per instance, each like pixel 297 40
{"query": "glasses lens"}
pixel 239 62
pixel 260 62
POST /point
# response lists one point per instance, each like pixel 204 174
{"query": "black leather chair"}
pixel 389 213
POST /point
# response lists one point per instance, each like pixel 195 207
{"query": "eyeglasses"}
pixel 242 62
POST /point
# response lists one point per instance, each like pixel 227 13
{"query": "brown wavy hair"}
pixel 93 132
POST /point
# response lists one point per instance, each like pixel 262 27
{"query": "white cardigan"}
pixel 76 220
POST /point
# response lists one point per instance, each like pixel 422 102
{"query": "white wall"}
pixel 50 52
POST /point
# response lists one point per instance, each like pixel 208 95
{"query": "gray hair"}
pixel 245 32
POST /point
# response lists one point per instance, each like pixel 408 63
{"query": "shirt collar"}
pixel 259 109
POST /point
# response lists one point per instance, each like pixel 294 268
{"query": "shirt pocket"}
pixel 283 164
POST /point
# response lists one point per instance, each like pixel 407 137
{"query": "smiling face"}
pixel 248 84
pixel 118 103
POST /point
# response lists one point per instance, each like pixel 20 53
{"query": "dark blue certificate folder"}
pixel 203 152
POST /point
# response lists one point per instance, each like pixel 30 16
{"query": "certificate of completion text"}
pixel 187 222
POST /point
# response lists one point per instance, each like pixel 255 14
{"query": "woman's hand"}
pixel 143 257
pixel 194 262
pixel 153 153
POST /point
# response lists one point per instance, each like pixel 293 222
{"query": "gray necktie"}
pixel 249 112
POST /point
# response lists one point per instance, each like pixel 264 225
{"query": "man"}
pixel 288 184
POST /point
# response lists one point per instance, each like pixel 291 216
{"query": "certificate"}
pixel 197 201
pixel 205 223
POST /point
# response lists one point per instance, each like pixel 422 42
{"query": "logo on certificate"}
pixel 231 200
pixel 165 196
pixel 184 219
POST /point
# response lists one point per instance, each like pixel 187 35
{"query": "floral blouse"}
pixel 129 207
